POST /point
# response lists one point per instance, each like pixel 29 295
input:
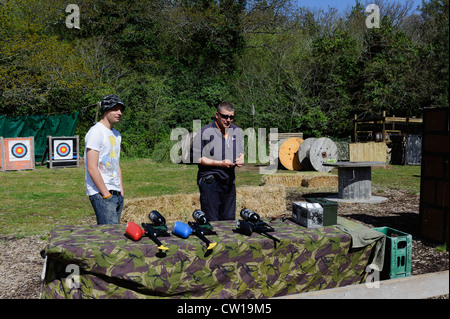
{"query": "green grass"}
pixel 397 177
pixel 34 202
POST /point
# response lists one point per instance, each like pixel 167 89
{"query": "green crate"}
pixel 398 253
pixel 330 210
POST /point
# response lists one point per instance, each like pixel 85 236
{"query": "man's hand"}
pixel 226 163
pixel 239 160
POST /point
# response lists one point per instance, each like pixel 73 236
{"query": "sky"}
pixel 341 5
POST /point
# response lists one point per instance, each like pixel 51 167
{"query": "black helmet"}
pixel 109 101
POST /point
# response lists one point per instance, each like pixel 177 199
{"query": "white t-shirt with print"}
pixel 107 143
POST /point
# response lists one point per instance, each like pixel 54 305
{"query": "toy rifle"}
pixel 200 228
pixel 154 230
pixel 252 223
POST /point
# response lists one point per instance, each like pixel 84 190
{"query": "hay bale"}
pixel 172 207
pixel 265 200
pixel 305 179
pixel 320 181
pixel 287 180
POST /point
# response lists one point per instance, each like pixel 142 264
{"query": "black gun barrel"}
pixel 268 235
pixel 247 228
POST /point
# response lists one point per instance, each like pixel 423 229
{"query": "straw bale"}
pixel 287 180
pixel 320 181
pixel 172 207
pixel 265 200
pixel 304 179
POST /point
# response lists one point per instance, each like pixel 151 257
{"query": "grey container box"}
pixel 307 214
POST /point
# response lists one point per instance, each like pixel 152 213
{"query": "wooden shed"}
pixel 434 183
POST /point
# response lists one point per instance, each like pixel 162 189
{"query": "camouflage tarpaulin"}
pixel 112 266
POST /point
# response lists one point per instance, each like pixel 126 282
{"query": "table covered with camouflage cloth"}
pixel 100 262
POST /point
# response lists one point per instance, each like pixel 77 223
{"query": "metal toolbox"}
pixel 307 214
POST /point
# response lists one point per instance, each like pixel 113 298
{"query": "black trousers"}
pixel 218 201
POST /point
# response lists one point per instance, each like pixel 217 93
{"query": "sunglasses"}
pixel 226 117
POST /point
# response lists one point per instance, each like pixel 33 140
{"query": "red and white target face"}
pixel 19 151
pixel 63 149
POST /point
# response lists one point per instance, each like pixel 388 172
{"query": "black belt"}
pixel 115 193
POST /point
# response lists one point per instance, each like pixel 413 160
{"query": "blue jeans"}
pixel 107 210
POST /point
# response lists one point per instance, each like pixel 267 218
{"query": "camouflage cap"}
pixel 109 101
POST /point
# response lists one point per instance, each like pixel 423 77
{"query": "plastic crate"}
pixel 398 253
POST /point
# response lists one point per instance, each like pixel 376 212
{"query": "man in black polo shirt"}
pixel 218 148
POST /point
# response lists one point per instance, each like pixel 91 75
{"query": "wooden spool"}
pixel 303 153
pixel 288 153
pixel 323 150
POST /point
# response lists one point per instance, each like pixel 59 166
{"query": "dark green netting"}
pixel 39 126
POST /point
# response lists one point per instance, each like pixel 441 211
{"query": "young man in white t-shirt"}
pixel 102 153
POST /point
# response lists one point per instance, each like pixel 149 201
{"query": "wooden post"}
pixel 97 110
pixel 2 155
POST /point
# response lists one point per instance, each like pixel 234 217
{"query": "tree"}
pixel 202 36
pixel 38 73
pixel 434 31
pixel 388 73
pixel 334 62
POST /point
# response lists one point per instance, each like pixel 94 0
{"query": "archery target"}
pixel 19 150
pixel 63 149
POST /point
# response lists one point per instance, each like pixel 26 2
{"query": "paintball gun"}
pixel 252 223
pixel 154 230
pixel 201 227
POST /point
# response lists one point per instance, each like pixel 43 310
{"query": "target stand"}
pixel 16 153
pixel 63 151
